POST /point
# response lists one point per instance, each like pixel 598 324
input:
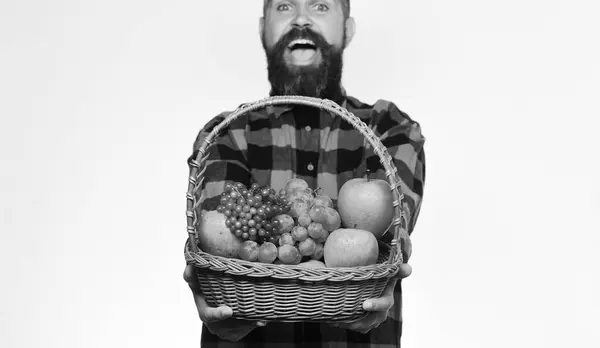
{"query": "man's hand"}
pixel 218 319
pixel 378 307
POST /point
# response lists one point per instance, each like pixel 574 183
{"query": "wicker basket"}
pixel 290 293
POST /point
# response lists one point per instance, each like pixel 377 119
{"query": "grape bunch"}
pixel 250 211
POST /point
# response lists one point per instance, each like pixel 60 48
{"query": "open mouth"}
pixel 303 50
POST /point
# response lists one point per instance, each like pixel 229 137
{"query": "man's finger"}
pixel 382 304
pixel 404 271
pixel 189 274
pixel 213 314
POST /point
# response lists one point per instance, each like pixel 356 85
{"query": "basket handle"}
pixel 198 165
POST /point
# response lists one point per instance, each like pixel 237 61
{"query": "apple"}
pixel 350 247
pixel 367 205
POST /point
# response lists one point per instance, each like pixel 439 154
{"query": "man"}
pixel 304 41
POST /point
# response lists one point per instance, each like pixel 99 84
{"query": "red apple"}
pixel 366 204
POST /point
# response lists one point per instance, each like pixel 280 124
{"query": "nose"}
pixel 302 19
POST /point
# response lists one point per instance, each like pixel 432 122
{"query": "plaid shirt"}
pixel 274 144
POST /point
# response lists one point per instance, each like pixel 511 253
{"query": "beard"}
pixel 322 80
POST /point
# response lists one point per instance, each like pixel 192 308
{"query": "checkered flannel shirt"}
pixel 276 143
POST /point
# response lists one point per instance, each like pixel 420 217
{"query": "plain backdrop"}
pixel 100 102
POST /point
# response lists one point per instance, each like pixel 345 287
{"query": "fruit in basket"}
pixel 332 219
pixel 295 184
pixel 250 211
pixel 366 204
pixel 312 264
pixel 350 247
pixel 289 255
pixel 299 233
pixel 315 230
pixel 317 214
pixel 323 237
pixel 267 252
pixel 286 223
pixel 318 253
pixel 249 251
pixel 298 208
pixel 286 239
pixel 214 237
pixel 307 247
pixel 304 220
pixel 323 201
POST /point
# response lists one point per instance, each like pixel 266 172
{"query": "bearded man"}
pixel 304 42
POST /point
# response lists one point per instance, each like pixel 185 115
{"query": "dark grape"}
pixel 250 201
pixel 261 232
pixel 251 223
pixel 265 192
pixel 273 240
pixel 252 231
pixel 224 200
pixel 228 187
pixel 233 219
pixel 245 235
pixel 238 225
pixel 244 222
pixel 252 238
pixel 254 186
pixel 244 192
pixel 241 201
pixel 253 211
pixel 234 195
pixel 227 212
pixel 258 198
pixel 248 216
pixel 267 233
pixel 238 208
pixel 238 233
pixel 257 219
pixel 245 228
pixel 230 205
pixel 268 227
pixel 268 211
pixel 239 186
pixel 282 192
pixel 260 212
pixel 228 223
pixel 284 201
pixel 220 208
pixel 246 208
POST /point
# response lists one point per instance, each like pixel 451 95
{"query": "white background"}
pixel 100 102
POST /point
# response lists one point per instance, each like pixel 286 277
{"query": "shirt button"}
pixel 307 128
pixel 310 167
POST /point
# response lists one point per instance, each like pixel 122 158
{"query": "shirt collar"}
pixel 278 110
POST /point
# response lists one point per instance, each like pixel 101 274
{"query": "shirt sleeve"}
pixel 225 162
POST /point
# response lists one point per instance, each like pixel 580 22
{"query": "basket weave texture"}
pixel 291 293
